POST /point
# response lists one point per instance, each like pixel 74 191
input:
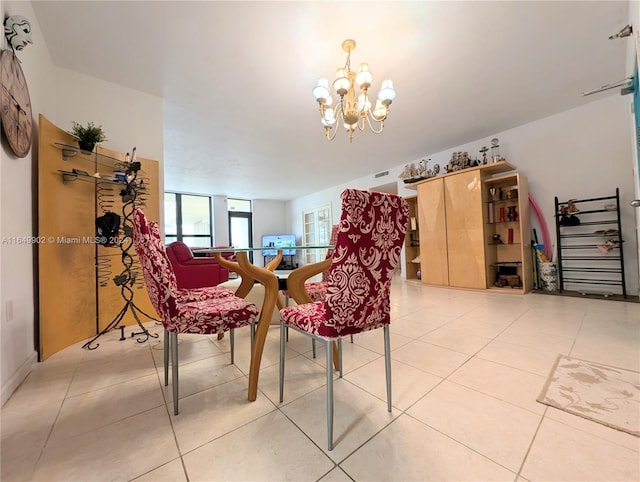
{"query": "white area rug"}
pixel 607 395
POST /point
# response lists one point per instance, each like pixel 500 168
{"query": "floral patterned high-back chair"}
pixel 179 314
pixel 370 237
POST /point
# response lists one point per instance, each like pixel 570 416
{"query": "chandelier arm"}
pixel 335 126
pixel 339 113
pixel 380 122
pixel 362 122
pixel 335 131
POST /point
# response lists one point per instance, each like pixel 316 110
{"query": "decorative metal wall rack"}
pixel 130 186
pixel 131 193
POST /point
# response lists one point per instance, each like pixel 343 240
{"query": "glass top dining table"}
pixel 230 249
pixel 250 273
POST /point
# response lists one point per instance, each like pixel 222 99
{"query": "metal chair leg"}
pixel 313 347
pixel 329 364
pixel 282 342
pixel 340 356
pixel 174 370
pixel 232 343
pixel 166 358
pixel 387 364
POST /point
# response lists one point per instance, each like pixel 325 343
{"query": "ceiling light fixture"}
pixel 351 111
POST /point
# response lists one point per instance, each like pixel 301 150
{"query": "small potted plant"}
pixel 88 136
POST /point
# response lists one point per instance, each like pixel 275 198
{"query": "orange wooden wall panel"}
pixel 70 301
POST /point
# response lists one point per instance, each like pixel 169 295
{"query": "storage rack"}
pixel 580 261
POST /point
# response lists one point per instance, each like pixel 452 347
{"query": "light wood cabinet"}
pixel 433 232
pixel 465 230
pixel 456 237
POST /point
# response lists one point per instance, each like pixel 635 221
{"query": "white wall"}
pixel 220 221
pixel 269 217
pixel 581 153
pixel 17 181
pixel 130 118
pixel 632 62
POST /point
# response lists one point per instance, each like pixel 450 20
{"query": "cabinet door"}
pixel 465 230
pixel 433 233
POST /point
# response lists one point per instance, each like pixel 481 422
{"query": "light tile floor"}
pixel 467 368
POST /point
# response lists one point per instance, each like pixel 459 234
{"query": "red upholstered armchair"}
pixel 194 272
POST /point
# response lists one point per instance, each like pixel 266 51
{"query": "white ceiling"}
pixel 237 77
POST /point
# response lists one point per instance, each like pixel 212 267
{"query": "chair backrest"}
pixel 179 252
pixel 332 242
pixel 370 237
pixel 156 269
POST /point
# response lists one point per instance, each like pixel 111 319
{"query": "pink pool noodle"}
pixel 546 239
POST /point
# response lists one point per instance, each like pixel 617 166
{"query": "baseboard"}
pixel 18 377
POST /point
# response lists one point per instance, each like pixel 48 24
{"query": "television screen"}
pixel 278 241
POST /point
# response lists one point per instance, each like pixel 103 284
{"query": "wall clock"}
pixel 15 104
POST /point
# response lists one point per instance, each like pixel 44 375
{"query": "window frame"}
pixel 179 235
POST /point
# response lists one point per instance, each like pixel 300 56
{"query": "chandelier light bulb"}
pixel 364 104
pixel 329 117
pixel 387 92
pixel 364 77
pixel 321 91
pixel 380 111
pixel 342 83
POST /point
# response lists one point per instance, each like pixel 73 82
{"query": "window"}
pixel 187 218
pixel 316 225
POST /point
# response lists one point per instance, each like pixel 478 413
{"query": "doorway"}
pixel 241 231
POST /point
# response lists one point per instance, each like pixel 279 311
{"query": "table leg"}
pixel 270 282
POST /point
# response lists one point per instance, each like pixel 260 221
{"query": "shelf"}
pixel 602 257
pixel 491 168
pixel 585 246
pixel 503 244
pixel 73 152
pixel 591 223
pixel 591 269
pixel 504 222
pixel 513 201
pixel 511 264
pixel 590 235
pixel 594 281
pixel 68 176
pixel 506 289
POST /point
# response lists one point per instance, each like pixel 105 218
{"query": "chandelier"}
pixel 351 111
